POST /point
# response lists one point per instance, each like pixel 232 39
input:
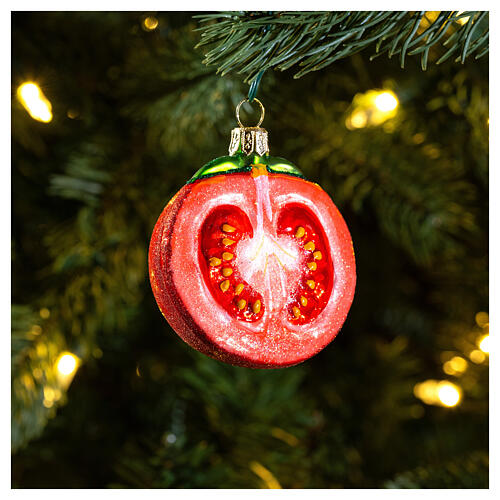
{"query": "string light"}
pixel 44 313
pixel 67 363
pixel 484 344
pixel 449 394
pixel 477 356
pixel 150 23
pixel 438 392
pixel 455 366
pixel 372 108
pixel 386 101
pixel 482 319
pixel 34 101
pixel 358 119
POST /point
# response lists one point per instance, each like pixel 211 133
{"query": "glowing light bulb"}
pixel 482 319
pixel 34 101
pixel 67 364
pixel 386 101
pixel 358 119
pixel 44 313
pixel 484 344
pixel 477 356
pixel 439 393
pixel 458 364
pixel 150 23
pixel 448 394
pixel 426 391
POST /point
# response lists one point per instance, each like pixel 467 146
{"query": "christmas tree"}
pixel 112 113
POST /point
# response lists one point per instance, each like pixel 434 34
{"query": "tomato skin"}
pixel 187 302
pixel 164 290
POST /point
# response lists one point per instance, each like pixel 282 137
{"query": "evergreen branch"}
pixel 248 43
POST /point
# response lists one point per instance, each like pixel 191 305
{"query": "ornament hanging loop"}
pixel 262 112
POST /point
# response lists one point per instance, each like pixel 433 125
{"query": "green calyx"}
pixel 244 163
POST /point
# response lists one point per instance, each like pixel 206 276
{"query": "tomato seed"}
pixel 228 229
pixel 241 304
pixel 239 289
pixel 296 311
pixel 309 246
pixel 303 301
pixel 214 261
pixel 227 256
pixel 256 307
pixel 312 266
pixel 311 284
pixel 300 232
pixel 227 271
pixel 224 286
pixel 317 255
pixel 227 241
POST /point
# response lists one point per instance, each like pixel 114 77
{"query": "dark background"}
pixel 135 114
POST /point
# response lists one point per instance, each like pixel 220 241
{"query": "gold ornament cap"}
pixel 249 140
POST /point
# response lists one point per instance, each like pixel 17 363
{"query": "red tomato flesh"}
pixel 255 269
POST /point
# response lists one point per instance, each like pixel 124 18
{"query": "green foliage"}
pixel 248 43
pixel 33 372
pixel 146 411
pixel 472 472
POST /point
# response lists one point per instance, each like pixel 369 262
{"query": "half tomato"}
pixel 252 264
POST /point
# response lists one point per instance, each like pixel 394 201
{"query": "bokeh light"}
pixel 482 319
pixel 386 101
pixel 477 356
pixel 438 392
pixel 150 23
pixel 34 101
pixel 455 366
pixel 449 394
pixel 67 364
pixel 372 108
pixel 484 344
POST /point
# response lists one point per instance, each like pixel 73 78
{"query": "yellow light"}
pixel 372 108
pixel 49 393
pixel 477 356
pixel 386 101
pixel 150 23
pixel 449 394
pixel 72 113
pixel 426 391
pixel 358 119
pixel 447 368
pixel 44 313
pixel 439 393
pixel 67 364
pixel 265 474
pixel 32 98
pixel 36 329
pixel 484 344
pixel 458 364
pixel 462 20
pixel 482 319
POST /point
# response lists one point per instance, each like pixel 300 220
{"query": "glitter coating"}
pixel 272 264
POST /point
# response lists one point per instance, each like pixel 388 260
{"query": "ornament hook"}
pixel 262 112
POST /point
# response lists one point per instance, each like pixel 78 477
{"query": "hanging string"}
pixel 254 87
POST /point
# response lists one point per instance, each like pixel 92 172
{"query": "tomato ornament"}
pixel 251 263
